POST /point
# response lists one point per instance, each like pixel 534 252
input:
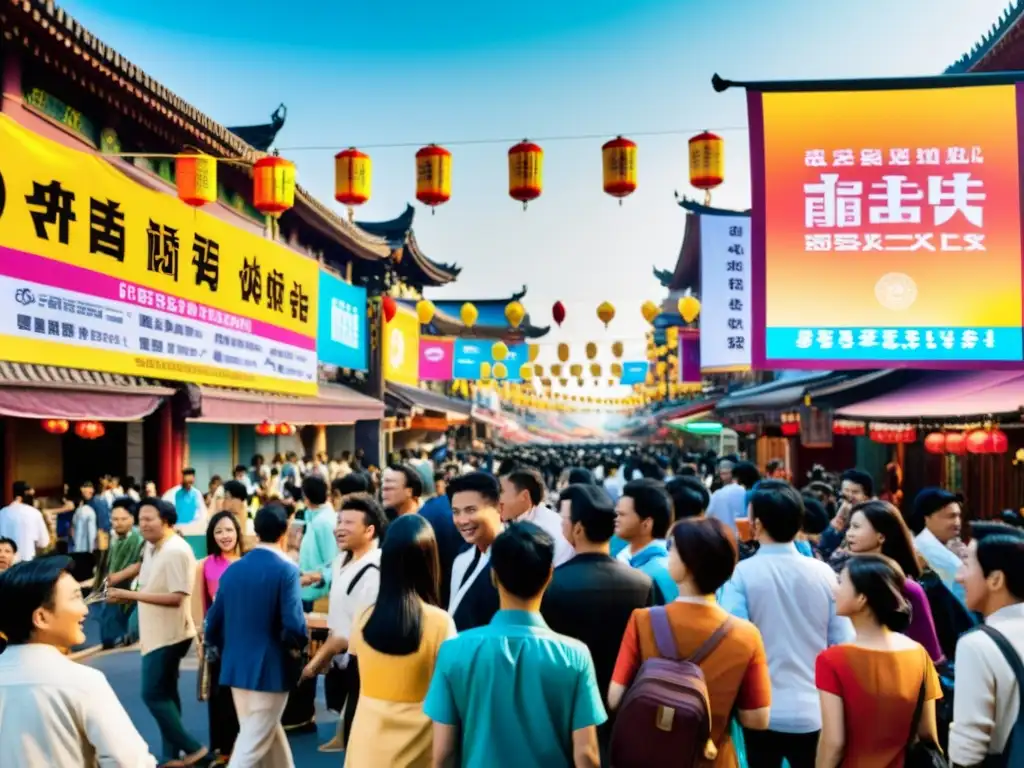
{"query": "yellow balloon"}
pixel 563 352
pixel 650 311
pixel 595 370
pixel 425 311
pixel 485 371
pixel 514 313
pixel 556 370
pixel 575 369
pixel 500 371
pixel 605 312
pixel 499 351
pixel 533 350
pixel 591 350
pixel 617 369
pixel 468 314
pixel 525 372
pixel 538 369
pixel 689 308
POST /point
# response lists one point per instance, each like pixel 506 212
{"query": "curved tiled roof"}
pixel 83 45
pixel 1002 32
pixel 400 235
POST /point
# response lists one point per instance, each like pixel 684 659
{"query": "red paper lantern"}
pixel 56 426
pixel 389 307
pixel 433 175
pixel 352 176
pixel 266 428
pixel 979 441
pixel 619 159
pixel 790 425
pixel 285 429
pixel 525 172
pixel 935 443
pixel 273 185
pixel 999 442
pixel 89 430
pixel 558 313
pixel 956 443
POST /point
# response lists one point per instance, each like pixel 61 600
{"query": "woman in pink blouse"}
pixel 223 547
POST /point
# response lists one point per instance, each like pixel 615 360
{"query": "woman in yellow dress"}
pixel 396 642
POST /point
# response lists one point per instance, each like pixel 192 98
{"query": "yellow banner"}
pixel 100 272
pixel 401 348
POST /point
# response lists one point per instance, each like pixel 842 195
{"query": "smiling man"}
pixel 474 598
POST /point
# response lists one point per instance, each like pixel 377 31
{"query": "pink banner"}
pixel 437 357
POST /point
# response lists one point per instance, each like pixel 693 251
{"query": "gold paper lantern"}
pixel 591 350
pixel 425 311
pixel 499 351
pixel 576 370
pixel 538 369
pixel 619 160
pixel 707 161
pixel 525 372
pixel 525 172
pixel 514 313
pixel 556 370
pixel 433 176
pixel 468 315
pixel 617 349
pixel 273 185
pixel 485 371
pixel 616 369
pixel 606 312
pixel 689 308
pixel 499 371
pixel 563 352
pixel 196 179
pixel 532 350
pixel 650 311
pixel 595 370
pixel 353 173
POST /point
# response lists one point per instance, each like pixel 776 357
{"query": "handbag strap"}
pixel 915 721
pixel 1014 660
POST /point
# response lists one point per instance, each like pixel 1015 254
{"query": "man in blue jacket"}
pixel 260 640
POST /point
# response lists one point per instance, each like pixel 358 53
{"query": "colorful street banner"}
pixel 102 273
pixel 887 228
pixel 634 372
pixel 401 348
pixel 437 358
pixel 342 328
pixel 471 353
pixel 725 285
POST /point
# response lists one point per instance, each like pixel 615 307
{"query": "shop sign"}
pixel 470 354
pixel 886 228
pixel 342 327
pixel 633 372
pixel 725 283
pixel 401 348
pixel 99 272
pixel 437 355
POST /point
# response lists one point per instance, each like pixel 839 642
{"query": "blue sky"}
pixel 408 71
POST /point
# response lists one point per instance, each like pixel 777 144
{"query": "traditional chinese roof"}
pixel 686 274
pixel 490 324
pixel 663 276
pixel 51 34
pixel 263 135
pixel 1000 49
pixel 413 266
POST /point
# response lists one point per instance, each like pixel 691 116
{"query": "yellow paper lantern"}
pixel 514 313
pixel 605 312
pixel 499 371
pixel 595 370
pixel 433 176
pixel 468 315
pixel 353 173
pixel 707 161
pixel 425 311
pixel 616 369
pixel 532 350
pixel 619 160
pixel 591 350
pixel 563 352
pixel 525 372
pixel 499 351
pixel 556 370
pixel 689 308
pixel 576 369
pixel 617 349
pixel 650 311
pixel 196 179
pixel 525 172
pixel 485 371
pixel 672 336
pixel 563 382
pixel 273 185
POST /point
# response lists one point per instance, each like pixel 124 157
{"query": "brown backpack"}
pixel 665 717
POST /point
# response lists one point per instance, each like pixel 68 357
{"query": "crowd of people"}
pixel 569 606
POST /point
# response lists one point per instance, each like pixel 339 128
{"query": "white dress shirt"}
pixel 26 526
pixel 61 714
pixel 348 601
pixel 550 522
pixel 942 560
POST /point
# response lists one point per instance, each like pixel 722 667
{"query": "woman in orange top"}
pixel 701 557
pixel 869 688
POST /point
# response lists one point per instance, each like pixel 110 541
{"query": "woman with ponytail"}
pixel 870 688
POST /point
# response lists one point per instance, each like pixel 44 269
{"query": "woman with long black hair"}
pixel 396 642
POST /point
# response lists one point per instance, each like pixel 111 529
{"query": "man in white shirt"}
pixel 23 523
pixel 53 711
pixel 939 512
pixel 83 529
pixel 986 706
pixel 522 494
pixel 354 586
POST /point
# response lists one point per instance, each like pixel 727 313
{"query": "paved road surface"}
pixel 122 669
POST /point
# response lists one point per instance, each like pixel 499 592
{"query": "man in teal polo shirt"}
pixel 514 689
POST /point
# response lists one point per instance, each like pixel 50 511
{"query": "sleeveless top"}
pixel 213 568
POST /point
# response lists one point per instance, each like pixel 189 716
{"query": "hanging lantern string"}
pixel 538 139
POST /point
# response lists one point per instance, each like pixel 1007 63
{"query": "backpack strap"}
pixel 1013 659
pixel 358 576
pixel 712 642
pixel 663 637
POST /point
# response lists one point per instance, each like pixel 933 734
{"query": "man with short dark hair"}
pixel 54 711
pixel 188 502
pixel 789 598
pixel 346 485
pixel 592 596
pixel 643 517
pixel 260 640
pixel 729 503
pixel 689 496
pixel 515 687
pixel 401 489
pixel 937 515
pixel 522 501
pixel 318 547
pixel 236 501
pixel 474 498
pixel 21 522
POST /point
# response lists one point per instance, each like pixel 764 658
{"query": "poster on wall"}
pixel 99 272
pixel 342 330
pixel 401 348
pixel 725 285
pixel 887 228
pixel 471 353
pixel 437 357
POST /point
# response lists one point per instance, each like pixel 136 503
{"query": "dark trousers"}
pixel 160 670
pixel 113 623
pixel 223 720
pixel 351 695
pixel 767 749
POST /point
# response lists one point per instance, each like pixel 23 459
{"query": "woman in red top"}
pixel 869 688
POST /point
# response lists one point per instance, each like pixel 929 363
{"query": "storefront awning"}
pixel 335 405
pixel 29 391
pixel 413 398
pixel 945 395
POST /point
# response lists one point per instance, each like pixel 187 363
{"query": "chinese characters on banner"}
pixel 725 318
pixel 100 272
pixel 342 329
pixel 888 228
